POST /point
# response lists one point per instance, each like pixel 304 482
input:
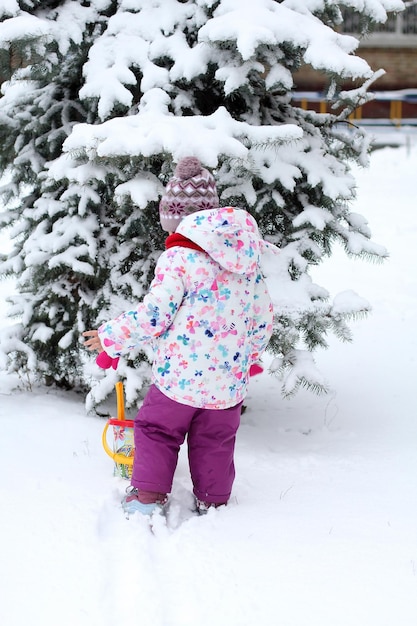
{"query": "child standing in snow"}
pixel 209 316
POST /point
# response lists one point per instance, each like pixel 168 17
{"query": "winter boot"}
pixel 132 504
pixel 202 507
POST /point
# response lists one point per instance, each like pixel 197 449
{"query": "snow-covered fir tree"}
pixel 101 98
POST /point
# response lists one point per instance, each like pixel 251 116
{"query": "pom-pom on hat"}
pixel 191 189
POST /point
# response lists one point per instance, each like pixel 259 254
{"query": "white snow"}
pixel 156 131
pixel 9 7
pixel 21 27
pixel 348 302
pixel 141 189
pixel 375 8
pixel 321 528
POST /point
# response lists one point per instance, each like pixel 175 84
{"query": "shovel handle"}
pixel 120 401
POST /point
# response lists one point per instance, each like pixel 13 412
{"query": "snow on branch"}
pixel 22 27
pixel 349 304
pixel 142 189
pixel 153 131
pixel 264 23
pixel 375 9
pixel 298 368
pixel 11 341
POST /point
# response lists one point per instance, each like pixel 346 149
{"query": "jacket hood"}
pixel 229 235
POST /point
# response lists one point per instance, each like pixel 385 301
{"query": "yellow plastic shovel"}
pixel 123 442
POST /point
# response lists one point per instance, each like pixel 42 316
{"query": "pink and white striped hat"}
pixel 191 189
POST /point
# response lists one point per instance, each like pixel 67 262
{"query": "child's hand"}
pixel 93 343
pixel 103 360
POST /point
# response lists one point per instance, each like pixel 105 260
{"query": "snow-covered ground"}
pixel 322 526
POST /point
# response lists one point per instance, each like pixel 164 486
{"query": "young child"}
pixel 209 316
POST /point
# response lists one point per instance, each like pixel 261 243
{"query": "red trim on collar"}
pixel 176 239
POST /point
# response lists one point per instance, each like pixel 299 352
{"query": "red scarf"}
pixel 179 240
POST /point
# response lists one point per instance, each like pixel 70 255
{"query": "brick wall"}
pixel 400 65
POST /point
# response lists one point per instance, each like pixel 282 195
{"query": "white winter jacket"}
pixel 208 312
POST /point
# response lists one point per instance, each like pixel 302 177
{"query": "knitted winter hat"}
pixel 191 189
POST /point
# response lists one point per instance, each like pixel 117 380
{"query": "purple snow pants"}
pixel 160 428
